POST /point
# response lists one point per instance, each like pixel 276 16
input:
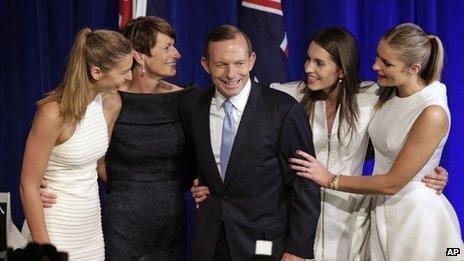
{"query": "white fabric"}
pixel 217 115
pixel 416 223
pixel 336 219
pixel 139 8
pixel 74 222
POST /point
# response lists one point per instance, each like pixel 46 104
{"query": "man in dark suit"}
pixel 241 136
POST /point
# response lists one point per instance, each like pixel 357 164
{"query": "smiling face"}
pixel 163 59
pixel 112 80
pixel 229 63
pixel 391 71
pixel 322 71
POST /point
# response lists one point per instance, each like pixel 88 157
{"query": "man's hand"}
pixel 436 180
pixel 199 193
pixel 290 257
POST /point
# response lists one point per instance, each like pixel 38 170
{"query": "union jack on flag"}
pixel 263 22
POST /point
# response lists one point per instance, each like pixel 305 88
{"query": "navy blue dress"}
pixel 144 217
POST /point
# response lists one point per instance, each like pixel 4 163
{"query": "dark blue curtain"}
pixel 37 35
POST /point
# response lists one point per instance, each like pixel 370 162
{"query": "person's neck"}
pixel 410 88
pixel 332 94
pixel 144 83
pixel 91 94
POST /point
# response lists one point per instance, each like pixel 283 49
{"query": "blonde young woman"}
pixel 69 135
pixel 339 108
pixel 408 131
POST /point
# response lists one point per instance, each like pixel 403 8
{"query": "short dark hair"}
pixel 143 32
pixel 225 32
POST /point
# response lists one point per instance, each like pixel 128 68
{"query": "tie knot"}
pixel 227 106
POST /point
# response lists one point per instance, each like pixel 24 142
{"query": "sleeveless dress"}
pixel 416 223
pixel 144 217
pixel 339 154
pixel 74 222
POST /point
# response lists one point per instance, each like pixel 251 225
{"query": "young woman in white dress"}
pixel 69 135
pixel 339 108
pixel 408 131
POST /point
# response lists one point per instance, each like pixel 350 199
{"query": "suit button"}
pixel 216 230
pixel 226 197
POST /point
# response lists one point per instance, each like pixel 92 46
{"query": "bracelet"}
pixel 335 183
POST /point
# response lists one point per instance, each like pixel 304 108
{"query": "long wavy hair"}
pixel 101 48
pixel 343 49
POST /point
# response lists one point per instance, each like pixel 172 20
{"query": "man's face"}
pixel 229 64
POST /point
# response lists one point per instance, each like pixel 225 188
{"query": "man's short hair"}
pixel 225 32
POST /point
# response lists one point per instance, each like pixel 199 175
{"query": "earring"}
pixel 340 80
pixel 143 70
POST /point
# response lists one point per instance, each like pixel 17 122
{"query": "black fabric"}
pixel 221 253
pixel 260 197
pixel 144 217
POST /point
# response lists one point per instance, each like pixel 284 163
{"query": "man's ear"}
pixel 205 64
pixel 96 72
pixel 138 56
pixel 252 60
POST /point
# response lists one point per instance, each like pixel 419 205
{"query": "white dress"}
pixel 416 223
pixel 338 209
pixel 74 222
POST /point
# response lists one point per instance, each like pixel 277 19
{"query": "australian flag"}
pixel 263 22
pixel 131 9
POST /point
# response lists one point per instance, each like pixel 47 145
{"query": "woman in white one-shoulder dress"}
pixel 69 135
pixel 408 131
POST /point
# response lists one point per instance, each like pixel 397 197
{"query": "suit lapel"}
pixel 245 132
pixel 205 138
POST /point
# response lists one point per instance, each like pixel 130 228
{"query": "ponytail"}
pixel 101 48
pixel 434 66
pixel 414 46
pixel 72 93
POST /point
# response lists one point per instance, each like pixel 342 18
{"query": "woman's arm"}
pixel 101 169
pixel 424 137
pixel 111 107
pixel 45 131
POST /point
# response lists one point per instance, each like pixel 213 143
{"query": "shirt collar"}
pixel 239 101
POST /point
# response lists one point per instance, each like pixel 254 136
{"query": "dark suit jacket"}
pixel 260 197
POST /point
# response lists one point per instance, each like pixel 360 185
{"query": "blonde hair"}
pixel 414 46
pixel 101 48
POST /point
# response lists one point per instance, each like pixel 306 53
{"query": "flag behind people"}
pixel 125 12
pixel 263 22
pixel 131 9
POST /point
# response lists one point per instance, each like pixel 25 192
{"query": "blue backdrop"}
pixel 37 35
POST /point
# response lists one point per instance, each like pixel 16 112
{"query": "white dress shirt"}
pixel 217 115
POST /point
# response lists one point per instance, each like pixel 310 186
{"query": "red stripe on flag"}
pixel 266 3
pixel 125 12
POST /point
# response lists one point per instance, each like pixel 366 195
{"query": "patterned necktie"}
pixel 228 136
